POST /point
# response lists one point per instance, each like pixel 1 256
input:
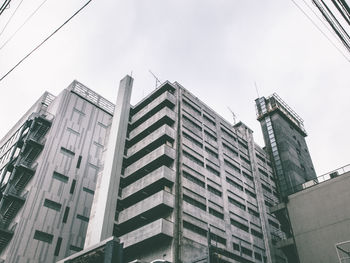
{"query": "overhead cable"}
pixel 46 39
pixel 22 25
pixel 9 20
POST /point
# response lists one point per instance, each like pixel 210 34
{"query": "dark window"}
pixel 74 248
pixel 256 233
pixel 209 135
pixel 236 203
pixel 195 228
pixel 274 224
pixel 253 212
pixel 227 133
pixel 246 251
pixel 72 187
pixel 189 105
pixel 79 162
pixel 236 247
pixel 42 236
pixel 257 256
pixel 250 193
pixel 192 158
pixel 65 216
pixel 60 177
pixel 216 213
pixel 260 157
pixel 263 172
pixel 53 205
pixel 190 123
pixel 239 225
pixel 217 238
pixel 65 150
pixel 194 202
pixel 88 190
pixel 212 170
pixel 206 118
pixel 266 188
pixel 190 138
pixel 248 176
pixel 214 191
pixel 232 166
pixel 211 152
pixel 233 183
pixel 84 218
pixel 58 246
pixel 230 149
pixel 193 179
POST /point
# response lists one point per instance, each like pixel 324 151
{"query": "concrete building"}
pixel 188 179
pixel 49 162
pixel 319 218
pixel 168 176
pixel 284 136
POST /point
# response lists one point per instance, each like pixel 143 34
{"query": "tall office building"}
pixel 189 180
pixel 49 163
pixel 169 177
pixel 284 136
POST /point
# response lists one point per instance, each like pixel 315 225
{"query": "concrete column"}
pixel 106 194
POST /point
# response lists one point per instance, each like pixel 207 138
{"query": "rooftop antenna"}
pixel 233 115
pixel 157 80
pixel 256 88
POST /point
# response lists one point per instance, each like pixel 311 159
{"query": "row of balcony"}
pixel 22 169
pixel 145 199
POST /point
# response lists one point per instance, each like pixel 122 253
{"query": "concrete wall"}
pixel 320 217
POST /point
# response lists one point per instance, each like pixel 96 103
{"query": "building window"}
pixel 69 152
pixel 192 158
pixel 212 170
pixel 79 162
pixel 83 218
pixel 230 149
pixel 253 212
pixel 194 228
pixel 217 238
pixel 88 190
pixel 216 213
pixel 211 152
pixel 191 139
pixel 60 177
pixel 232 166
pixel 246 251
pixel 214 191
pixel 208 135
pixel 207 119
pixel 239 225
pixel 233 183
pixel 65 215
pixel 256 233
pixel 250 193
pixel 193 179
pixel 42 236
pixel 52 205
pixel 58 246
pixel 72 187
pixel 236 203
pixel 194 202
pixel 75 248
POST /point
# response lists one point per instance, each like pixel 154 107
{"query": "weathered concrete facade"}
pixel 57 197
pixel 320 219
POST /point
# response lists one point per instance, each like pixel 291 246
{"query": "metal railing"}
pixel 320 179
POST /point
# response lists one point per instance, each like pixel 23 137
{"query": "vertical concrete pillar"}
pixel 106 194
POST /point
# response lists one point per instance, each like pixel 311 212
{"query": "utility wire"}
pixel 46 39
pixel 4 6
pixel 323 33
pixel 25 22
pixel 8 21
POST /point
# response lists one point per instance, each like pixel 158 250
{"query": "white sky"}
pixel 216 49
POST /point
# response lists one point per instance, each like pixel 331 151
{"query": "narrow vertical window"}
pixel 79 162
pixel 71 191
pixel 65 216
pixel 58 246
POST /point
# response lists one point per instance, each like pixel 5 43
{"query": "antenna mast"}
pixel 233 115
pixel 157 80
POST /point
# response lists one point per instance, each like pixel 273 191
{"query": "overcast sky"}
pixel 216 49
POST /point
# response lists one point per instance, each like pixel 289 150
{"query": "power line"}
pixel 4 6
pixel 21 26
pixel 323 33
pixel 46 39
pixel 9 20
